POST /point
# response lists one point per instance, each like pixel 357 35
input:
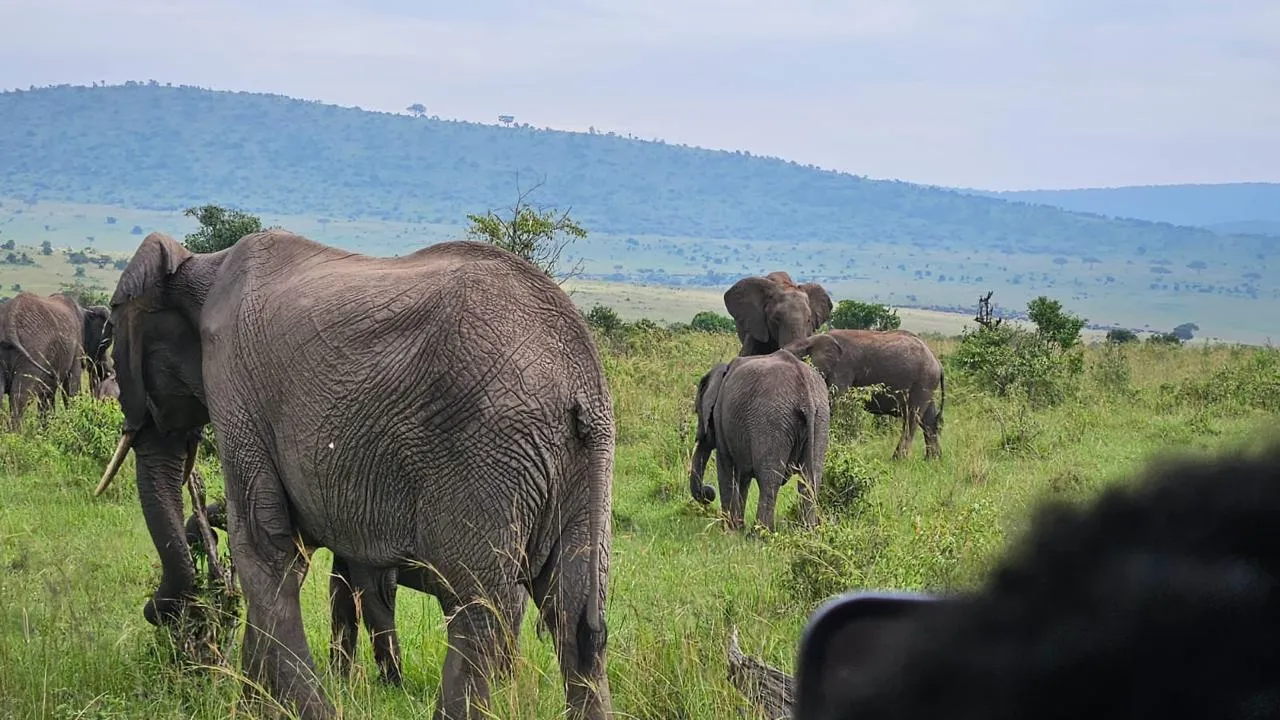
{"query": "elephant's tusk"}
pixel 113 467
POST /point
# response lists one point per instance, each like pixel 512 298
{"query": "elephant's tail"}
pixel 942 393
pixel 595 423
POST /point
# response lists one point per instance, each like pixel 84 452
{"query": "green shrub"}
pixel 713 322
pixel 854 315
pixel 87 428
pixel 1005 359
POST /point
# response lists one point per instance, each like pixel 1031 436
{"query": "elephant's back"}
pixel 458 323
pixel 32 319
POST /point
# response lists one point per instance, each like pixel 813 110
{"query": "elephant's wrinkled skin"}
pixel 897 358
pixel 772 311
pixel 473 433
pixel 767 417
pixel 45 343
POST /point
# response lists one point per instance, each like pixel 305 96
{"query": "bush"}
pixel 713 322
pixel 1234 389
pixel 854 315
pixel 1005 360
pixel 1120 336
pixel 1164 339
pixel 604 319
pixel 87 428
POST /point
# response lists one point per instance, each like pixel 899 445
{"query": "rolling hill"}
pixel 1226 208
pixel 99 166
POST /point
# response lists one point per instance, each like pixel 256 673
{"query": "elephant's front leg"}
pixel 272 567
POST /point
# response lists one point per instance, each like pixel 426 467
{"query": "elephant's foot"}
pixel 166 611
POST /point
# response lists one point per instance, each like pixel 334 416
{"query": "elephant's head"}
pixel 703 404
pixel 773 311
pixel 155 312
pixel 97 338
pixel 824 353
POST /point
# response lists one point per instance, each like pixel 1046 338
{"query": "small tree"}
pixel 539 235
pixel 1054 323
pixel 46 248
pixel 1186 331
pixel 855 315
pixel 219 228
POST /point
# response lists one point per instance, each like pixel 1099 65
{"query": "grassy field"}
pixel 75 570
pixel 631 301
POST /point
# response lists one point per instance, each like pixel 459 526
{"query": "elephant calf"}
pixel 376 604
pixel 766 416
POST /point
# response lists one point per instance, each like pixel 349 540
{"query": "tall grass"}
pixel 75 570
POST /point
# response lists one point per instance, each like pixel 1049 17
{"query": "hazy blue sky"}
pixel 997 94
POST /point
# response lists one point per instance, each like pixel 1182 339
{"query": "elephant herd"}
pixel 46 345
pixel 468 454
pixel 766 413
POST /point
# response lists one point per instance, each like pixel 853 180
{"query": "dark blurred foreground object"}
pixel 1158 599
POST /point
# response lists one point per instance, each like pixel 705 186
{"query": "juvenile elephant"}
pixel 772 311
pixel 45 343
pixel 377 603
pixel 897 358
pixel 767 417
pixel 473 434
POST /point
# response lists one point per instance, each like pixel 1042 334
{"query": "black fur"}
pixel 1158 600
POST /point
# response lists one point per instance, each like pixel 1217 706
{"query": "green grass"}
pixel 75 570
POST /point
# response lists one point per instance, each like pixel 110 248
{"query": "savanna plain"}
pixel 75 569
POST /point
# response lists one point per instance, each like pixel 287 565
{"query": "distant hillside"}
pixel 1228 207
pixel 158 147
pixel 97 168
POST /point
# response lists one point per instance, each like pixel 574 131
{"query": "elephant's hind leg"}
pixel 929 424
pixel 909 404
pixel 561 593
pixel 483 638
pixel 272 567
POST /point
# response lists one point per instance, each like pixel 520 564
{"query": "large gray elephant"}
pixel 766 417
pixel 473 434
pixel 772 311
pixel 901 361
pixel 45 343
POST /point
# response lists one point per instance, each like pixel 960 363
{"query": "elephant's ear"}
pixel 824 351
pixel 781 277
pixel 158 257
pixel 708 391
pixel 819 303
pixel 746 302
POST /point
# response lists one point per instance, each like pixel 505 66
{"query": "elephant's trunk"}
pixel 701 454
